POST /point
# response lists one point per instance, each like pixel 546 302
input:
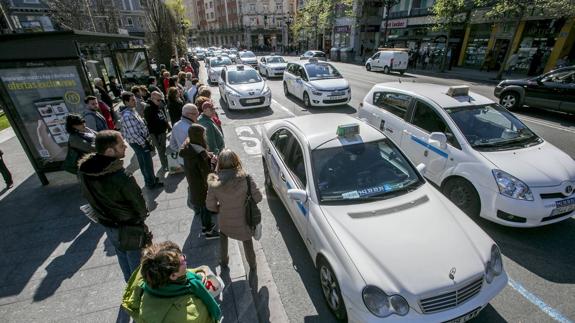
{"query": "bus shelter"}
pixel 46 76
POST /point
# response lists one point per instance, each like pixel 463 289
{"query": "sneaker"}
pixel 212 234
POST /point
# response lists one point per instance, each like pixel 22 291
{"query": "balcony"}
pixel 398 14
pixel 420 11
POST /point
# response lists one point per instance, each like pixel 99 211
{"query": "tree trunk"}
pixel 444 55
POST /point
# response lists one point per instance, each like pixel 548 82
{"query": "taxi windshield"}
pixel 492 127
pixel 247 55
pixel 243 77
pixel 276 60
pixel 319 71
pixel 364 171
pixel 220 62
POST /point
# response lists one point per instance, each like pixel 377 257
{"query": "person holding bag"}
pixel 227 193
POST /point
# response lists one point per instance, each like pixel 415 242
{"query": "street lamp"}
pixel 387 4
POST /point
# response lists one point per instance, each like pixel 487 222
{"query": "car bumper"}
pixel 517 213
pixel 357 314
pixel 243 103
pixel 274 73
pixel 327 100
pixel 498 90
pixel 213 78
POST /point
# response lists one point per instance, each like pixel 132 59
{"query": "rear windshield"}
pixel 247 54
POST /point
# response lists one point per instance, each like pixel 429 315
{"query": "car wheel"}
pixel 510 100
pixel 331 289
pixel 386 69
pixel 463 195
pixel 368 67
pixel 267 178
pixel 306 100
pixel 286 91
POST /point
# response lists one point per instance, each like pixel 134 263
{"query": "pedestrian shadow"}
pixel 133 166
pixel 172 181
pixel 244 113
pixel 36 220
pixel 262 299
pixel 65 266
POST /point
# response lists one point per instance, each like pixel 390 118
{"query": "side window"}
pixel 263 60
pixel 296 163
pixel 281 139
pixel 427 119
pixel 376 56
pixel 291 68
pixel 302 73
pixel 394 103
pixel 223 75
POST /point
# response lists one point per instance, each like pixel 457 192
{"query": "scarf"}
pixel 190 285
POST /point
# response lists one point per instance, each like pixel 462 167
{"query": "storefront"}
pixel 341 36
pixel 537 34
pixel 477 45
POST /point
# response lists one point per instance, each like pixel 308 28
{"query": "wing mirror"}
pixel 438 139
pixel 421 168
pixel 297 195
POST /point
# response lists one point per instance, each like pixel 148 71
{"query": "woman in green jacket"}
pixel 164 290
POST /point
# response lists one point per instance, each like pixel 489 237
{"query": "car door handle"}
pixel 282 176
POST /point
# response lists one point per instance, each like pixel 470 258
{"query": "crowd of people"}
pixel 179 107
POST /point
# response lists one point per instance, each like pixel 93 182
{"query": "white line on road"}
pixel 283 108
pixel 553 313
pixel 545 123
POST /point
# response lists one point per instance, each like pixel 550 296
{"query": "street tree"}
pixel 89 15
pixel 160 30
pixel 182 24
pixel 518 9
pixel 446 14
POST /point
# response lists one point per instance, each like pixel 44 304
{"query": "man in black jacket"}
pixel 114 195
pixel 157 122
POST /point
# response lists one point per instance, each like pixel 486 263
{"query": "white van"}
pixel 388 61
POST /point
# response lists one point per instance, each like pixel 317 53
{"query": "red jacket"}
pixel 107 114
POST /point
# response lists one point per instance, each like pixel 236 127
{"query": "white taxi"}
pixel 241 87
pixel 316 83
pixel 215 67
pixel 271 66
pixel 385 242
pixel 482 157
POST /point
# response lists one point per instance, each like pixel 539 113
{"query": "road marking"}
pixel 252 144
pixel 545 123
pixel 553 313
pixel 283 108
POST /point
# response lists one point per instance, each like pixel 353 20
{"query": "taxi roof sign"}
pixel 313 60
pixel 458 90
pixel 347 130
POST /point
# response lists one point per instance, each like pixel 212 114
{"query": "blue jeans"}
pixel 146 164
pixel 128 260
pixel 205 216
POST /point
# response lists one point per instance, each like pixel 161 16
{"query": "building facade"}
pixel 132 16
pixel 24 16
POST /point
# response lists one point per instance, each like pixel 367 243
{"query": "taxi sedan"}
pixel 241 87
pixel 387 245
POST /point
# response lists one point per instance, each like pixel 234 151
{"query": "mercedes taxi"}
pixel 215 67
pixel 241 87
pixel 316 83
pixel 385 242
pixel 482 157
pixel 272 66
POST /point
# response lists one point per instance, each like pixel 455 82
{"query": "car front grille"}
pixel 552 196
pixel 335 101
pixel 245 104
pixel 452 298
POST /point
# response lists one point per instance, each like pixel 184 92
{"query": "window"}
pixel 281 139
pixel 223 75
pixel 279 7
pixel 129 21
pixel 376 56
pixel 393 103
pixel 211 4
pixel 295 163
pixel 32 1
pixel 120 23
pixel 427 119
pixel 252 7
pixel 301 73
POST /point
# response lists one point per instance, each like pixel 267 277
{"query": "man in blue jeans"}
pixel 136 133
pixel 113 194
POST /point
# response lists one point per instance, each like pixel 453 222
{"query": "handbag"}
pixel 134 237
pixel 253 213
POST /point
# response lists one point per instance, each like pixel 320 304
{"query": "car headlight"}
pixel 233 93
pixel 511 186
pixel 314 91
pixel 382 305
pixel 494 266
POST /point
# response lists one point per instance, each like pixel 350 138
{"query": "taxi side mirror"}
pixel 438 139
pixel 297 195
pixel 421 168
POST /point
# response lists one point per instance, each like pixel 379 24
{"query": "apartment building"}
pixel 18 16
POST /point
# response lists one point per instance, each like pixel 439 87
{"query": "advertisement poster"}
pixel 133 67
pixel 43 97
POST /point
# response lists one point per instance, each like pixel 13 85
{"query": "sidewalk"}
pixel 56 265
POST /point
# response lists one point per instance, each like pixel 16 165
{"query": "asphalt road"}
pixel 540 262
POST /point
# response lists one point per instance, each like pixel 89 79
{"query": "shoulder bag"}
pixel 253 213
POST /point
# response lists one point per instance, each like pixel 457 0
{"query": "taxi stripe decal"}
pixel 430 147
pixel 300 205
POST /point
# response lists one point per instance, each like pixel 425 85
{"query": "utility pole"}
pixel 388 4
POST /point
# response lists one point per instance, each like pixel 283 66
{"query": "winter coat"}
pixel 105 96
pixel 197 166
pixel 175 110
pixel 95 120
pixel 226 195
pixel 146 308
pixel 156 118
pixel 82 142
pixel 111 191
pixel 214 136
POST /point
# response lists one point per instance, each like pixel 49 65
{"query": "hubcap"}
pixel 329 288
pixel 459 197
pixel 508 101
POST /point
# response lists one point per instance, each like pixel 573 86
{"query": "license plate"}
pixel 564 206
pixel 253 101
pixel 337 93
pixel 337 97
pixel 465 317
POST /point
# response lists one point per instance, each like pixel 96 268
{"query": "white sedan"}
pixel 386 243
pixel 271 66
pixel 241 87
